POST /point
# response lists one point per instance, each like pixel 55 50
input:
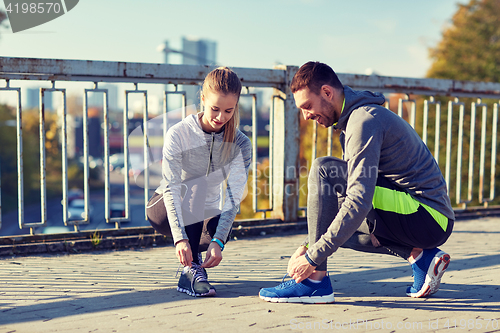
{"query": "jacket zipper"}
pixel 210 156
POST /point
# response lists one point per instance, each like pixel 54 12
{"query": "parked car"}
pixel 74 193
pixel 136 164
pixel 56 230
pixel 76 210
pixel 116 162
pixel 116 210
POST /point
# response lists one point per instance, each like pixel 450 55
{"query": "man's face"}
pixel 317 107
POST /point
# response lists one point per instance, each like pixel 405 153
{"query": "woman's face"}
pixel 219 109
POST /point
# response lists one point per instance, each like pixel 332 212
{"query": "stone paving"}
pixel 134 290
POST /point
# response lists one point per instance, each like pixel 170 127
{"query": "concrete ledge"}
pixel 97 242
pixel 477 212
pixel 127 238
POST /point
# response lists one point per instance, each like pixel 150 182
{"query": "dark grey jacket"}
pixel 377 142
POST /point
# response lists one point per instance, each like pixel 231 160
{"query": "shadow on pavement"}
pixel 354 288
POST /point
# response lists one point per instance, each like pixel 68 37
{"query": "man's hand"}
pixel 300 269
pixel 214 256
pixel 183 252
pixel 299 252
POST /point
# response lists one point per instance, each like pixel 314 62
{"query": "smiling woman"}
pixel 219 109
pixel 199 154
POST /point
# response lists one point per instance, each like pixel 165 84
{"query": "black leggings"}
pixel 200 234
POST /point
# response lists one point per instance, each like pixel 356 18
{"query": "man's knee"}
pixel 334 173
pixel 320 162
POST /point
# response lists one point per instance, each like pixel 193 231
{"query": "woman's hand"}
pixel 214 256
pixel 299 252
pixel 183 252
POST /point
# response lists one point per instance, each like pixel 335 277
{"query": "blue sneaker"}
pixel 304 292
pixel 427 273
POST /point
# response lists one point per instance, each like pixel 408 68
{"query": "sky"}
pixel 389 37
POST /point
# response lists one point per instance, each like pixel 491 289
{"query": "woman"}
pixel 199 153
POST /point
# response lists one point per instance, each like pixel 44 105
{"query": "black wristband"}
pixel 309 260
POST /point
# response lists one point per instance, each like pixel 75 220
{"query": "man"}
pixel 387 195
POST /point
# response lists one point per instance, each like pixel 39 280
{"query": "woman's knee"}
pixel 156 214
pixel 161 225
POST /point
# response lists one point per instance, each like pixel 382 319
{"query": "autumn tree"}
pixel 469 51
pixel 470 47
pixel 8 160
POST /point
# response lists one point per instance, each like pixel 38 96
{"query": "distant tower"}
pixel 196 51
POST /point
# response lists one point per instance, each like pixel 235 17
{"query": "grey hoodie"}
pixel 377 142
pixel 192 155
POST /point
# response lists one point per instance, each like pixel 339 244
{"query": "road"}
pixel 32 213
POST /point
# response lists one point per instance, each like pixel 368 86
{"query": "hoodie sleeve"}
pixel 171 170
pixel 363 141
pixel 236 185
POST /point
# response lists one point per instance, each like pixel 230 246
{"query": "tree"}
pixel 469 51
pixel 470 47
pixel 8 160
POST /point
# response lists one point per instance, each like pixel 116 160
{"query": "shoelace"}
pixel 178 269
pixel 200 259
pixel 287 283
pixel 198 273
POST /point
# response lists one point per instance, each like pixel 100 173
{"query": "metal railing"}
pixel 16 71
pixel 418 99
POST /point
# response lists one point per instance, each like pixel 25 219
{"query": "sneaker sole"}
pixel 211 292
pixel 304 299
pixel 434 274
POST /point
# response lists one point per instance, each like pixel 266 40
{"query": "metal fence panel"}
pixel 284 131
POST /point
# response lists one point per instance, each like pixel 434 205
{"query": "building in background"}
pixel 97 99
pixel 33 99
pixel 196 51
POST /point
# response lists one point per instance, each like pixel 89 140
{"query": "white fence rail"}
pixel 420 101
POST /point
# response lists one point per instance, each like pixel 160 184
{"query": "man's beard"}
pixel 328 111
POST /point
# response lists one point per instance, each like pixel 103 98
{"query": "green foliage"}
pixel 263 171
pixel 307 129
pixel 31 159
pixel 470 48
pixel 465 160
pixel 96 238
pixel 8 160
pixel 8 166
pixel 263 188
pixel 470 51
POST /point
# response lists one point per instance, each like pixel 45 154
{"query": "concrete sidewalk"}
pixel 134 290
